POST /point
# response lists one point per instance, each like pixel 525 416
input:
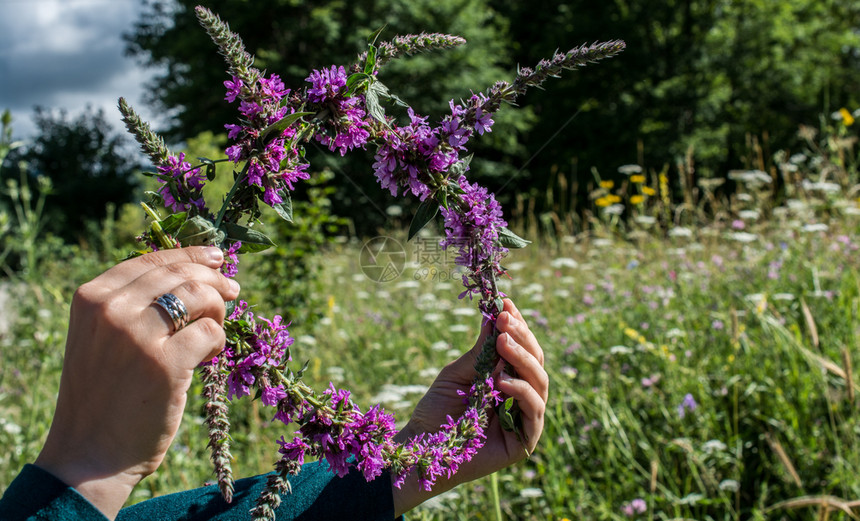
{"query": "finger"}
pixel 519 330
pixel 196 343
pixel 158 281
pixel 532 405
pixel 122 273
pixel 525 364
pixel 512 309
pixel 200 300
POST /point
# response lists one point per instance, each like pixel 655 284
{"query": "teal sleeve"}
pixel 36 495
pixel 317 494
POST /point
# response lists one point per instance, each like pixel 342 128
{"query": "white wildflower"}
pixel 711 446
pixel 680 231
pixel 645 220
pixel 629 169
pixel 814 227
pixel 615 209
pixel 441 345
pixel 729 485
pixel 531 493
pixel 821 186
pixel 563 262
pixel 743 237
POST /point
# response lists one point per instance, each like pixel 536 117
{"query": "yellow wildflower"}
pixel 613 198
pixel 847 117
pixel 602 202
pixel 638 178
pixel 608 184
pixel 637 199
pixel 647 190
pixel 632 333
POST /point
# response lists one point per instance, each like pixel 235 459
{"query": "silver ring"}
pixel 175 309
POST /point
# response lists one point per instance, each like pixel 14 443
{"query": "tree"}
pixel 86 163
pixel 292 37
pixel 700 73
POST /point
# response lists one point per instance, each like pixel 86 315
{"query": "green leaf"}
pixel 427 210
pixel 173 222
pixel 370 62
pixel 230 305
pixel 506 419
pixel 371 99
pixel 301 371
pixel 285 209
pixel 355 81
pixel 459 168
pixel 210 171
pixel 373 37
pixel 198 231
pixel 252 240
pixel 500 304
pixel 274 130
pixel 509 239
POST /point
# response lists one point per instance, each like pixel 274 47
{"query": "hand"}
pixel 517 345
pixel 126 371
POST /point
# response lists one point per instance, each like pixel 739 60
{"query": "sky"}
pixel 68 54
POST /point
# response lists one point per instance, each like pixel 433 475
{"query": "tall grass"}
pixel 701 353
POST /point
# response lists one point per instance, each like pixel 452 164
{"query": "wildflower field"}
pixel 700 347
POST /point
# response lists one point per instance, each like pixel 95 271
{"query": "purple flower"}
pixel 326 84
pixel 637 506
pixel 272 395
pixel 687 404
pixel 230 268
pixel 479 226
pixel 273 88
pixel 294 450
pixel 234 88
pixel 182 185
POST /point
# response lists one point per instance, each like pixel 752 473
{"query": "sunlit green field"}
pixel 700 368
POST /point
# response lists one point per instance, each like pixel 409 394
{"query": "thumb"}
pixel 487 330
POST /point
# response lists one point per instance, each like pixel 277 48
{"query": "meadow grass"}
pixel 699 369
pixel 759 335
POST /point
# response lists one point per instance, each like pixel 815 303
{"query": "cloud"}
pixel 67 54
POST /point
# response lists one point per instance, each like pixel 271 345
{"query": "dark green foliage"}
pixel 87 164
pixel 290 38
pixel 700 75
pixel 288 272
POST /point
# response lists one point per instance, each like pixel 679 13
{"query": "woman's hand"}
pixel 126 371
pixel 517 345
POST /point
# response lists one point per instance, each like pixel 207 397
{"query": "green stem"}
pixel 230 195
pixel 494 487
pixel 166 242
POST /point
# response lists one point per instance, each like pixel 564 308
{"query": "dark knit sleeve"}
pixel 36 495
pixel 317 493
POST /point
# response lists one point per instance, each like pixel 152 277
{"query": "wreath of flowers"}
pixel 341 109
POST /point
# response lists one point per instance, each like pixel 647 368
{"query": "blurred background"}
pixel 693 202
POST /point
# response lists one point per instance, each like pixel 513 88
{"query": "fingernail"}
pixel 234 285
pixel 512 321
pixel 215 255
pixel 510 341
pixel 503 376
